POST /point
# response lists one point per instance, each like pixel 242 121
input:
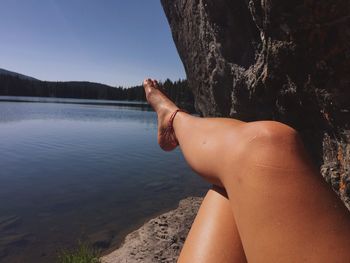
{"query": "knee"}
pixel 266 149
pixel 259 140
pixel 273 133
pixel 273 144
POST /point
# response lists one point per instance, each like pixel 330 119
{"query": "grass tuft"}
pixel 82 254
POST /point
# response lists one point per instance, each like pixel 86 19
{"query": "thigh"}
pixel 213 237
pixel 283 209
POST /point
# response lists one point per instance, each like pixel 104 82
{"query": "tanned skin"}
pixel 269 202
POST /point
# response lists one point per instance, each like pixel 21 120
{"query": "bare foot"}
pixel 164 108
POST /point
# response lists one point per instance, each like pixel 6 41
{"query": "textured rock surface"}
pixel 273 59
pixel 160 239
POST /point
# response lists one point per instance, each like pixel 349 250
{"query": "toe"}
pixel 155 83
pixel 147 82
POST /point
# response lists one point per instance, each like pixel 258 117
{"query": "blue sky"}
pixel 116 42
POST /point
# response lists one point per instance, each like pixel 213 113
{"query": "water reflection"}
pixel 70 171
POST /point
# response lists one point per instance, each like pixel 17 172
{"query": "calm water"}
pixel 89 172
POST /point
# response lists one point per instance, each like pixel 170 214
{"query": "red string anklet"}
pixel 169 132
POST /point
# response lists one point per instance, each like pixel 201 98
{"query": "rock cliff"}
pixel 273 59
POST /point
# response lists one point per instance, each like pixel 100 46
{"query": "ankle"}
pixel 180 116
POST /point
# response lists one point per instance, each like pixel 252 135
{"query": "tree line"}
pixel 178 91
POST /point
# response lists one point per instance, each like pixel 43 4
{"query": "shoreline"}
pixel 79 101
pixel 159 239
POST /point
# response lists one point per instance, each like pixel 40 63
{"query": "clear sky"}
pixel 116 42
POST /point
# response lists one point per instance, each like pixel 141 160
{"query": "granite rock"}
pixel 273 60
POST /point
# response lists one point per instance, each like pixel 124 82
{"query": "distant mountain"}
pixel 15 74
pixel 16 84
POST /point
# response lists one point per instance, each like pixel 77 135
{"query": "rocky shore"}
pixel 160 239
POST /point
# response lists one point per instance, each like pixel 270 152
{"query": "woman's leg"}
pixel 284 211
pixel 213 237
pixel 203 141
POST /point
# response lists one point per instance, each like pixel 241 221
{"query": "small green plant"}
pixel 82 254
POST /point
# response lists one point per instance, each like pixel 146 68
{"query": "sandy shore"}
pixel 160 239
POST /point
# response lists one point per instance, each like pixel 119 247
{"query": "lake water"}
pixel 72 172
